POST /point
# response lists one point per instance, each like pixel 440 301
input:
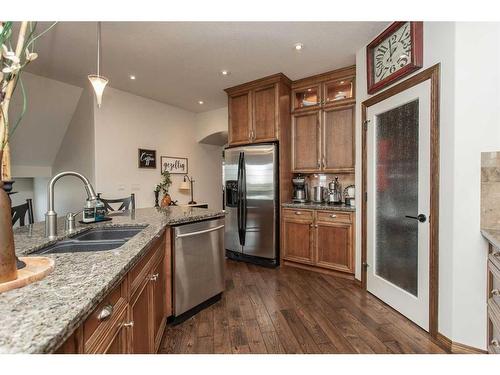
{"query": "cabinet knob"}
pixel 495 343
pixel 316 225
pixel 495 292
pixel 298 213
pixel 129 324
pixel 311 225
pixel 333 216
pixel 154 277
pixel 106 312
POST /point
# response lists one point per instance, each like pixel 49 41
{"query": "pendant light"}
pixel 98 82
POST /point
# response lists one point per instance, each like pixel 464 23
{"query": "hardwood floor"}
pixel 289 310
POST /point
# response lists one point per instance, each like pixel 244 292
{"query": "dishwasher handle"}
pixel 199 232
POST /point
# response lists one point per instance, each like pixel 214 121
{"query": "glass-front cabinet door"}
pixel 306 98
pixel 339 91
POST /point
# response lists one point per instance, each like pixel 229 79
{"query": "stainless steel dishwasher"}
pixel 198 266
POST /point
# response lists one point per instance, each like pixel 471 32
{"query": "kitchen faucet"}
pixel 51 215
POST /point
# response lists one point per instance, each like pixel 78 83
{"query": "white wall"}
pixel 50 107
pixel 76 154
pixel 211 122
pixel 469 124
pixel 126 122
pixel 477 129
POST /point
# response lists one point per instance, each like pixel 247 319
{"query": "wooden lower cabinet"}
pixel 320 239
pixel 140 315
pixel 333 246
pixel 298 240
pixel 132 317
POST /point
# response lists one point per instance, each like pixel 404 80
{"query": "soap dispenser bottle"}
pixel 89 211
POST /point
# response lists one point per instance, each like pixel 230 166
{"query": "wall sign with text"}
pixel 147 158
pixel 174 165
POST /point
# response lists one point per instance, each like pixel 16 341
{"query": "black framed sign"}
pixel 174 165
pixel 147 158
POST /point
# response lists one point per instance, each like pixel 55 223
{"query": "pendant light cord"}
pixel 98 48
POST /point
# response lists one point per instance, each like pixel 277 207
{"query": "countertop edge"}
pixel 492 236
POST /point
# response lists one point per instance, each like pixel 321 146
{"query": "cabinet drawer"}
pixel 141 269
pixel 334 216
pixel 104 315
pixel 298 214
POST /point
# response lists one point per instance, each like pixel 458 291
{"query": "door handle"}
pixel 190 234
pixel 422 218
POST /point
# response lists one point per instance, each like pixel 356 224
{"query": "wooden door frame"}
pixel 432 74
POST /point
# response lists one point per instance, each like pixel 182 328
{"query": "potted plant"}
pixel 12 62
pixel 163 187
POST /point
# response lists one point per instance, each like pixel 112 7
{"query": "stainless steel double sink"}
pixel 95 239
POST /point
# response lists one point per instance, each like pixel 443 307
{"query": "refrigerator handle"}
pixel 244 201
pixel 241 198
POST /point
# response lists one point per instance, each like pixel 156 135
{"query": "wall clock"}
pixel 394 54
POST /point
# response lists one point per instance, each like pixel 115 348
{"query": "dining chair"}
pixel 18 213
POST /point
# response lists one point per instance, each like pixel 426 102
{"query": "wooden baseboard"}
pixel 456 347
pixel 326 271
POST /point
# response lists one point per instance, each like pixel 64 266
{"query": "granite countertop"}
pixel 493 236
pixel 320 206
pixel 39 317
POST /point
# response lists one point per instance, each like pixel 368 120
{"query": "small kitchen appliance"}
pixel 318 195
pixel 334 192
pixel 299 189
pixel 349 193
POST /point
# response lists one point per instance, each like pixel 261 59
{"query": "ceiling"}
pixel 179 63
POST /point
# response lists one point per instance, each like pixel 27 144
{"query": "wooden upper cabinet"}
pixel 256 110
pixel 265 116
pixel 338 139
pixel 330 96
pixel 305 142
pixel 240 118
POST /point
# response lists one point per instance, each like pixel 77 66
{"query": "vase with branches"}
pixel 16 53
pixel 163 186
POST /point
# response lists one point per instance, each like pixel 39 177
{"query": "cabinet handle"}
pixel 311 225
pixel 316 225
pixel 333 216
pixel 324 162
pixel 298 213
pixel 495 292
pixel 129 324
pixel 154 277
pixel 105 312
pixel 495 343
pixel 318 164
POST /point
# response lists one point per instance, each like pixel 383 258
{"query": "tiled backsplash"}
pixel 490 190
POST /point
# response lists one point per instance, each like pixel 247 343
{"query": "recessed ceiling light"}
pixel 200 102
pixel 225 72
pixel 132 77
pixel 298 46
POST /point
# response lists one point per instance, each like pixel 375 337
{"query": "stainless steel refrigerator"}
pixel 251 203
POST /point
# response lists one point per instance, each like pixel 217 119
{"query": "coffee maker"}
pixel 299 189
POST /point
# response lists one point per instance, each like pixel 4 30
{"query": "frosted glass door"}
pixel 396 168
pixel 398 171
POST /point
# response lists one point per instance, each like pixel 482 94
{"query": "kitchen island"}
pixel 39 318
